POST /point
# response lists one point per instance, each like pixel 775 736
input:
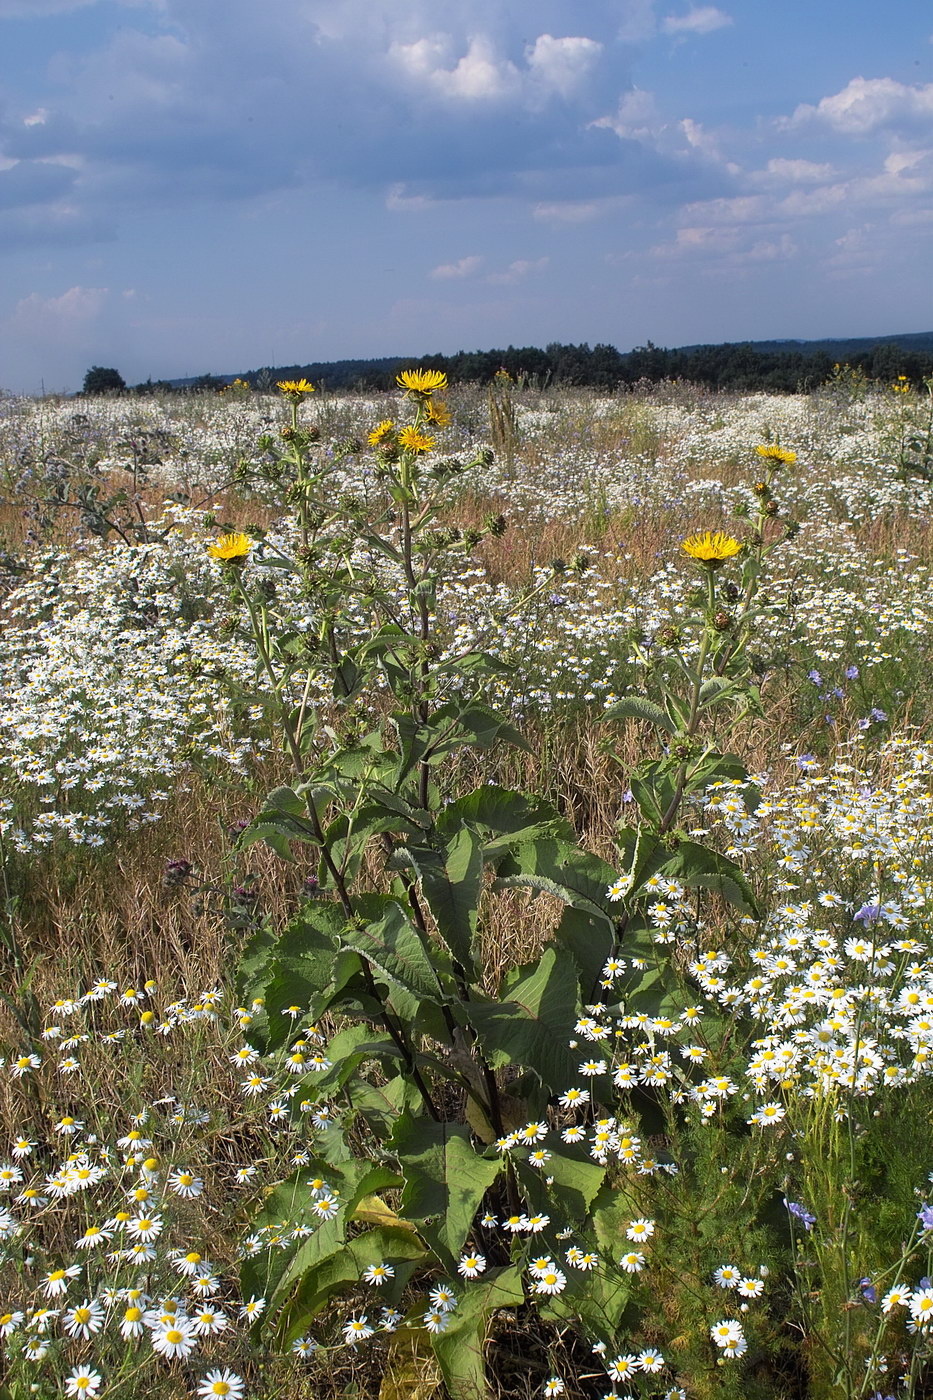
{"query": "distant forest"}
pixel 775 366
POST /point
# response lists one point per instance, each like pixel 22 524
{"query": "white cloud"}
pixel 66 316
pixel 742 209
pixel 636 118
pixel 522 267
pixel 698 240
pixel 793 172
pixel 562 65
pixel 568 212
pixel 401 203
pixel 481 75
pixel 868 104
pixel 728 245
pixel 704 20
pixel 464 268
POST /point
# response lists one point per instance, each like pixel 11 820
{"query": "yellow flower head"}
pixel 710 549
pixel 294 388
pixel 779 456
pixel 380 432
pixel 421 382
pixel 230 547
pixel 438 413
pixel 413 441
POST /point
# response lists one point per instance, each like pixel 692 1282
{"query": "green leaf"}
pixel 445 1181
pixel 596 1300
pixel 636 707
pixel 557 868
pixel 530 1026
pixel 395 948
pixel 699 866
pixel 653 789
pixel 255 965
pixel 504 818
pixel 453 891
pixel 577 1179
pixel 460 1348
pixel 589 940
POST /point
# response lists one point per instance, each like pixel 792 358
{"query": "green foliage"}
pixel 99 380
pixel 447 1077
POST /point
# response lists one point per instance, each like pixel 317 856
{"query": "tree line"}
pixel 741 366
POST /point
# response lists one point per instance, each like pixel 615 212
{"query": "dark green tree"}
pixel 103 381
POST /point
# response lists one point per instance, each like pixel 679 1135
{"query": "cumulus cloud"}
pixel 484 74
pixel 480 75
pixel 562 65
pixel 518 270
pixel 636 117
pixel 451 271
pixel 867 105
pixel 703 20
pixel 68 315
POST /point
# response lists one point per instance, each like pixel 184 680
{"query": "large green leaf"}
pixel 445 1181
pixel 635 707
pixel 396 949
pixel 576 1178
pixel 699 866
pixel 589 940
pixel 556 867
pixel 323 1282
pixel 531 1025
pixel 504 818
pixel 452 890
pixel 596 1299
pixel 460 1348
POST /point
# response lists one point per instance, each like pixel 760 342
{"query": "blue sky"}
pixel 189 186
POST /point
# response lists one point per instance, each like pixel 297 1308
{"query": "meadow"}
pixel 467 887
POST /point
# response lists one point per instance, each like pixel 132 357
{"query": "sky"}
pixel 191 187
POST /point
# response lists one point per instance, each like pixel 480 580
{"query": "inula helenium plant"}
pixel 490 896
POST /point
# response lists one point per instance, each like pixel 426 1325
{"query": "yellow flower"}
pixel 773 453
pixel 421 381
pixel 294 388
pixel 414 441
pixel 710 549
pixel 438 413
pixel 380 432
pixel 230 547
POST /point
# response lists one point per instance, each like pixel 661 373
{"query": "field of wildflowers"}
pixel 466 913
